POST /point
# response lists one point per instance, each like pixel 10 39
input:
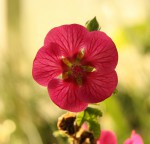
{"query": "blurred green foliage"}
pixel 27 115
pixel 139 34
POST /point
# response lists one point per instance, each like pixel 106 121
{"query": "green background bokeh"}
pixel 27 115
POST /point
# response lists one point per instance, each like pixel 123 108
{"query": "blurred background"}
pixel 27 115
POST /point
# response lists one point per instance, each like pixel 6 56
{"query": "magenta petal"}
pixel 107 137
pixel 69 37
pixel 98 86
pixel 65 95
pixel 101 51
pixel 47 64
pixel 134 139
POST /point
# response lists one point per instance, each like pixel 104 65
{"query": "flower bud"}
pixel 92 25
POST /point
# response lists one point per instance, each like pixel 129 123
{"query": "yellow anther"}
pixel 80 55
pixel 66 75
pixel 66 61
pixel 89 68
pixel 94 69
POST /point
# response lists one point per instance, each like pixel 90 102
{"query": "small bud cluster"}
pixel 67 123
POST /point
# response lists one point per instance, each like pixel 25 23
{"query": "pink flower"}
pixel 77 66
pixel 134 139
pixel 107 137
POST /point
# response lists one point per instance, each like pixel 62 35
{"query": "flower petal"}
pixel 134 139
pixel 69 37
pixel 65 95
pixel 101 51
pixel 47 64
pixel 98 86
pixel 107 137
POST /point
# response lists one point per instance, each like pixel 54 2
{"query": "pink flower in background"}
pixel 107 137
pixel 77 66
pixel 134 139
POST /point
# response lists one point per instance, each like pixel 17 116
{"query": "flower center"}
pixel 75 71
pixel 77 74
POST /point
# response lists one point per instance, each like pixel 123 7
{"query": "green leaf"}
pixel 94 126
pixel 92 25
pixel 90 116
pixel 80 118
pixel 93 112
